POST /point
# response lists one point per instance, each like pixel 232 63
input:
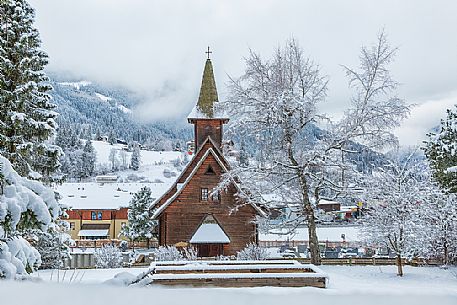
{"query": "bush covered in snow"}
pixel 252 252
pixel 190 253
pixel 167 253
pixel 108 257
pixel 171 253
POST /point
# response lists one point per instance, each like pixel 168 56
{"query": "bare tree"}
pixel 399 195
pixel 299 160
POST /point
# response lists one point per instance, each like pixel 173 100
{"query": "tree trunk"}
pixel 399 265
pixel 312 237
pixel 446 253
pixel 309 211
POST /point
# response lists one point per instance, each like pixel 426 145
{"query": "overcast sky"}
pixel 157 47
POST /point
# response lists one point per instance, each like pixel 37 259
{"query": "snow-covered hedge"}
pixel 21 197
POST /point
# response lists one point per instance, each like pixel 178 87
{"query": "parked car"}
pixel 289 254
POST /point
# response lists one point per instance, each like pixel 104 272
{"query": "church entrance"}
pixel 210 250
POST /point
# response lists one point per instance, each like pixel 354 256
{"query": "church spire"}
pixel 208 92
pixel 206 122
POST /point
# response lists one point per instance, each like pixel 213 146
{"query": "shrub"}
pixel 108 257
pixel 252 252
pixel 171 253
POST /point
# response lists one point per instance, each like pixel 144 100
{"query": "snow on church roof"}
pixel 209 233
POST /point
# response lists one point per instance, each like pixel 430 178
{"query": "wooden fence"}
pixel 86 260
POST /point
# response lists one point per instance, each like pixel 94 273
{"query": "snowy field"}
pixel 348 285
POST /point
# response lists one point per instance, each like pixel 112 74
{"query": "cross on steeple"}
pixel 208 52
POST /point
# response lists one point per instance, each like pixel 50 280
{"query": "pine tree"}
pixel 135 160
pixel 89 157
pixel 98 135
pixel 112 137
pixel 140 225
pixel 26 113
pixel 441 151
pixel 53 247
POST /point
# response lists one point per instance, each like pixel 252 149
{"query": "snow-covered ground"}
pixel 348 285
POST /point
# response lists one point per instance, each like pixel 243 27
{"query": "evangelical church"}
pixel 190 213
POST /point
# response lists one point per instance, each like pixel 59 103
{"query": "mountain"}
pixel 99 109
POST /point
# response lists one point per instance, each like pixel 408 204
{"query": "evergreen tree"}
pixel 112 137
pixel 135 160
pixel 98 136
pixel 441 151
pixel 140 225
pixel 53 247
pixel 89 157
pixel 26 113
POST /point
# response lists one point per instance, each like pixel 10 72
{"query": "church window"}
pixel 204 194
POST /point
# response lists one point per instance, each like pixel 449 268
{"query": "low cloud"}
pixel 157 47
pixel 423 118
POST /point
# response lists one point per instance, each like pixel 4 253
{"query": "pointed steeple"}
pixel 206 122
pixel 208 92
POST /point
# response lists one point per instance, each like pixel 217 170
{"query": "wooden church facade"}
pixel 191 212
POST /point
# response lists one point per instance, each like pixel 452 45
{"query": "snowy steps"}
pixel 237 274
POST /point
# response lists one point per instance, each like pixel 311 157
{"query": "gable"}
pixel 219 165
pixel 182 185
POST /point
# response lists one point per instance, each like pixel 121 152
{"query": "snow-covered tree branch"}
pixel 302 154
